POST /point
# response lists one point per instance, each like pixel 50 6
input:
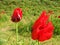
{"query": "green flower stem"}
pixel 16 33
pixel 38 42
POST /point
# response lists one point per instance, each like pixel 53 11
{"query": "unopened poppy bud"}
pixel 17 15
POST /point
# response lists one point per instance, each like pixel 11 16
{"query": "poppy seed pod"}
pixel 17 15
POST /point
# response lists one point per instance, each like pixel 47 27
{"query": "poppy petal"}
pixel 41 20
pixel 35 34
pixel 46 33
pixel 45 36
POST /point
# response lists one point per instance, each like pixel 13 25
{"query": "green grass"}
pixel 31 11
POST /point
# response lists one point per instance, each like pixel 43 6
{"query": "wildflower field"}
pixel 31 10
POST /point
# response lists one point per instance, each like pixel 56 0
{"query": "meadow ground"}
pixel 31 11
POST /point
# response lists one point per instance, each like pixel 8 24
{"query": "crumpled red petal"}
pixel 35 34
pixel 41 20
pixel 46 33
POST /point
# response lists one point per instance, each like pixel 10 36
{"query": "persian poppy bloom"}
pixel 17 15
pixel 42 30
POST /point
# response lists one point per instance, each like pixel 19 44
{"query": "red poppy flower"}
pixel 42 30
pixel 17 15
